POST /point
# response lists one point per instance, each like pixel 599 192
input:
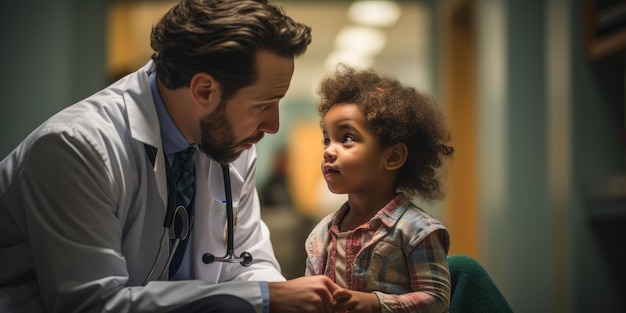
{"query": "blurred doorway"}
pixel 459 89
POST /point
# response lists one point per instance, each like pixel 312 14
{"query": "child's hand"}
pixel 356 301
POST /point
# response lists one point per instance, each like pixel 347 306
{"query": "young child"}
pixel 383 142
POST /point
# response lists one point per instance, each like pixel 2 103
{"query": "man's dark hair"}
pixel 221 38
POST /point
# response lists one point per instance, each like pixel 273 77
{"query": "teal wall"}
pixel 551 124
pixel 51 55
pixel 512 137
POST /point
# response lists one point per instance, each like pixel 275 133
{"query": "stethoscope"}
pixel 176 225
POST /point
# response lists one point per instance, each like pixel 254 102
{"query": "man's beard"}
pixel 218 141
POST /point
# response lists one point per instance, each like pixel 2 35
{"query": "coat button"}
pixel 363 263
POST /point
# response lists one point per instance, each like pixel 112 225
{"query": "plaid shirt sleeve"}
pixel 430 279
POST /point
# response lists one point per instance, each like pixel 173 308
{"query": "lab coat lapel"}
pixel 144 127
pixel 144 121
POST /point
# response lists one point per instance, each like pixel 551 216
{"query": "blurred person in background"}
pixel 275 191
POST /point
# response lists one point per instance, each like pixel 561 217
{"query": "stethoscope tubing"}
pixel 156 260
pixel 230 245
pixel 169 217
pixel 172 211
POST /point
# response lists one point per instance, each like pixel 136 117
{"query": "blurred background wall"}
pixel 533 91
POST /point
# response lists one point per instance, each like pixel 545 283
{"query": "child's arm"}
pixel 430 279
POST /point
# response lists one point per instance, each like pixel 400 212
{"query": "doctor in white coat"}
pixel 82 201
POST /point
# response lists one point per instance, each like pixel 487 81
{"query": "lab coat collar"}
pixel 143 120
pixel 142 114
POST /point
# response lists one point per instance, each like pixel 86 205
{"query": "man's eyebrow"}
pixel 273 94
pixel 271 98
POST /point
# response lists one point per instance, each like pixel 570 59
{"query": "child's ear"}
pixel 396 156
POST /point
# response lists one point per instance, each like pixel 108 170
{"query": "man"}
pixel 84 198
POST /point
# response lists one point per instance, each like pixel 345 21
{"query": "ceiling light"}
pixel 374 13
pixel 348 57
pixel 364 40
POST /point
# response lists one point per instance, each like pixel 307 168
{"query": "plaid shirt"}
pixel 400 255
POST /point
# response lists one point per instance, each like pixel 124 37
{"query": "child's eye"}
pixel 348 139
pixel 326 142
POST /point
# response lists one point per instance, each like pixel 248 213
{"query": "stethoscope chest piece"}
pixel 180 224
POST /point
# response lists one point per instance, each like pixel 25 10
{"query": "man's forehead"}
pixel 274 73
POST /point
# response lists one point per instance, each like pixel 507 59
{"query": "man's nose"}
pixel 271 123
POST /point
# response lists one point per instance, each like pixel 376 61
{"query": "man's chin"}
pixel 245 146
pixel 223 158
pixel 237 151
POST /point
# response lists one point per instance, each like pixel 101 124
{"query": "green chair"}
pixel 473 291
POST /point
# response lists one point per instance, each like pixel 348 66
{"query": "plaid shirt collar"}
pixel 388 215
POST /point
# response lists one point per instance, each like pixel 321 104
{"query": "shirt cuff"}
pixel 265 296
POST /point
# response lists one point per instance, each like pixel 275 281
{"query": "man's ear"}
pixel 204 90
pixel 396 156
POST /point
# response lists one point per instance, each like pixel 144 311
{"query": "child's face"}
pixel 353 158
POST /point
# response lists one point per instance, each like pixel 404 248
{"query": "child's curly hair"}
pixel 395 113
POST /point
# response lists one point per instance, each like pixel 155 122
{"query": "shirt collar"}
pixel 392 212
pixel 388 215
pixel 173 139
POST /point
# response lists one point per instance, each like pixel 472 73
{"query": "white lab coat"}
pixel 82 210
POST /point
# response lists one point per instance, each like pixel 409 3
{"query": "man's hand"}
pixel 356 301
pixel 301 295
